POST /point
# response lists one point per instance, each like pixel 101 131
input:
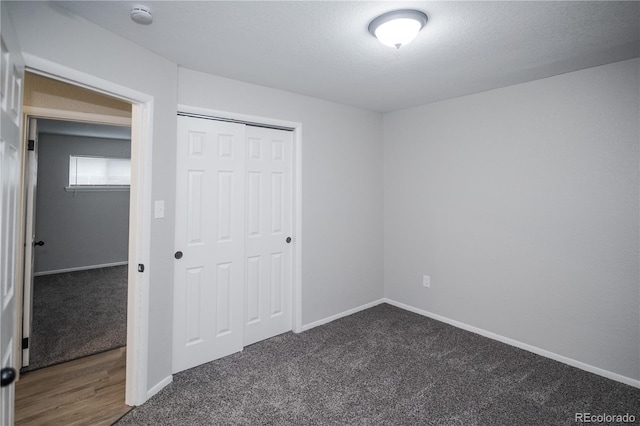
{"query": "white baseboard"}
pixel 342 314
pixel 80 268
pixel 158 387
pixel 547 354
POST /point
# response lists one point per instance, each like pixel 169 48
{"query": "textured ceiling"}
pixel 322 49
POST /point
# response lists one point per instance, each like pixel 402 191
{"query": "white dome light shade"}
pixel 398 32
pixel 398 28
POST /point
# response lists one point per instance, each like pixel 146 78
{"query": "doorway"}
pixel 76 241
pixel 75 298
pixel 139 116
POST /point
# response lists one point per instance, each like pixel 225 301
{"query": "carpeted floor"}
pixel 384 366
pixel 77 314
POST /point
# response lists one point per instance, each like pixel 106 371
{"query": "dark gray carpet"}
pixel 383 366
pixel 77 314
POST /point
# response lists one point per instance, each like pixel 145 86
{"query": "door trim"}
pixel 139 213
pixel 86 117
pixel 28 193
pixel 296 127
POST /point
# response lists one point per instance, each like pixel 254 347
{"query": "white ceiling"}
pixel 323 49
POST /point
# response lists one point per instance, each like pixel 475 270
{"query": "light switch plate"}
pixel 159 209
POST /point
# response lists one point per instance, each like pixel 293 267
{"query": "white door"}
pixel 269 230
pixel 12 75
pixel 209 270
pixel 29 237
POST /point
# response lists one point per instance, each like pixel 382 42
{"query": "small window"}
pixel 99 173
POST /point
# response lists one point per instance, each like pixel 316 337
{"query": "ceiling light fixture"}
pixel 398 27
pixel 141 15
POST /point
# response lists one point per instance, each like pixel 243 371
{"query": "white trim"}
pixel 342 314
pixel 296 293
pixel 139 213
pixel 28 186
pixel 542 352
pixel 97 188
pixel 214 113
pixel 79 268
pixel 159 386
pixel 84 117
pixel 56 71
pixel 297 193
pixel 139 253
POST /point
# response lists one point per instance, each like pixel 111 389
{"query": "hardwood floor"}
pixel 86 391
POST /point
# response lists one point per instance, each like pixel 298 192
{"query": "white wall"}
pixel 47 33
pixel 522 204
pixel 341 184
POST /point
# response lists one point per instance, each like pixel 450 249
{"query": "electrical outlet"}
pixel 426 281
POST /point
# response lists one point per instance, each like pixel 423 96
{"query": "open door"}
pixel 12 73
pixel 29 236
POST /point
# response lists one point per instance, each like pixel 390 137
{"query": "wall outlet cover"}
pixel 426 281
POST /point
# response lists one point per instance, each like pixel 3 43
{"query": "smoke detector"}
pixel 141 15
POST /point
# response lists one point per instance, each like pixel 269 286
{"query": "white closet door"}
pixel 269 225
pixel 210 213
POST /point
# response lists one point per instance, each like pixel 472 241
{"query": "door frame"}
pixel 139 214
pixel 28 193
pixel 296 127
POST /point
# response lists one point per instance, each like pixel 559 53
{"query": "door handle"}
pixel 7 376
pixel 288 240
pixel 39 243
pixel 178 255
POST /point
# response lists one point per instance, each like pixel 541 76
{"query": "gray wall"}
pixel 82 229
pixel 522 204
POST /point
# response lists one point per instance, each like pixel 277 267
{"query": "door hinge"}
pixel 25 343
pixel 140 267
pixel 31 145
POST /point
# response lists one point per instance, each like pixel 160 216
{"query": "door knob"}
pixel 178 255
pixel 39 243
pixel 288 240
pixel 8 375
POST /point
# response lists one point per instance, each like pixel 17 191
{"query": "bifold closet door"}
pixel 210 240
pixel 269 246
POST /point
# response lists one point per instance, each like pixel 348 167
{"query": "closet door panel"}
pixel 270 221
pixel 210 238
